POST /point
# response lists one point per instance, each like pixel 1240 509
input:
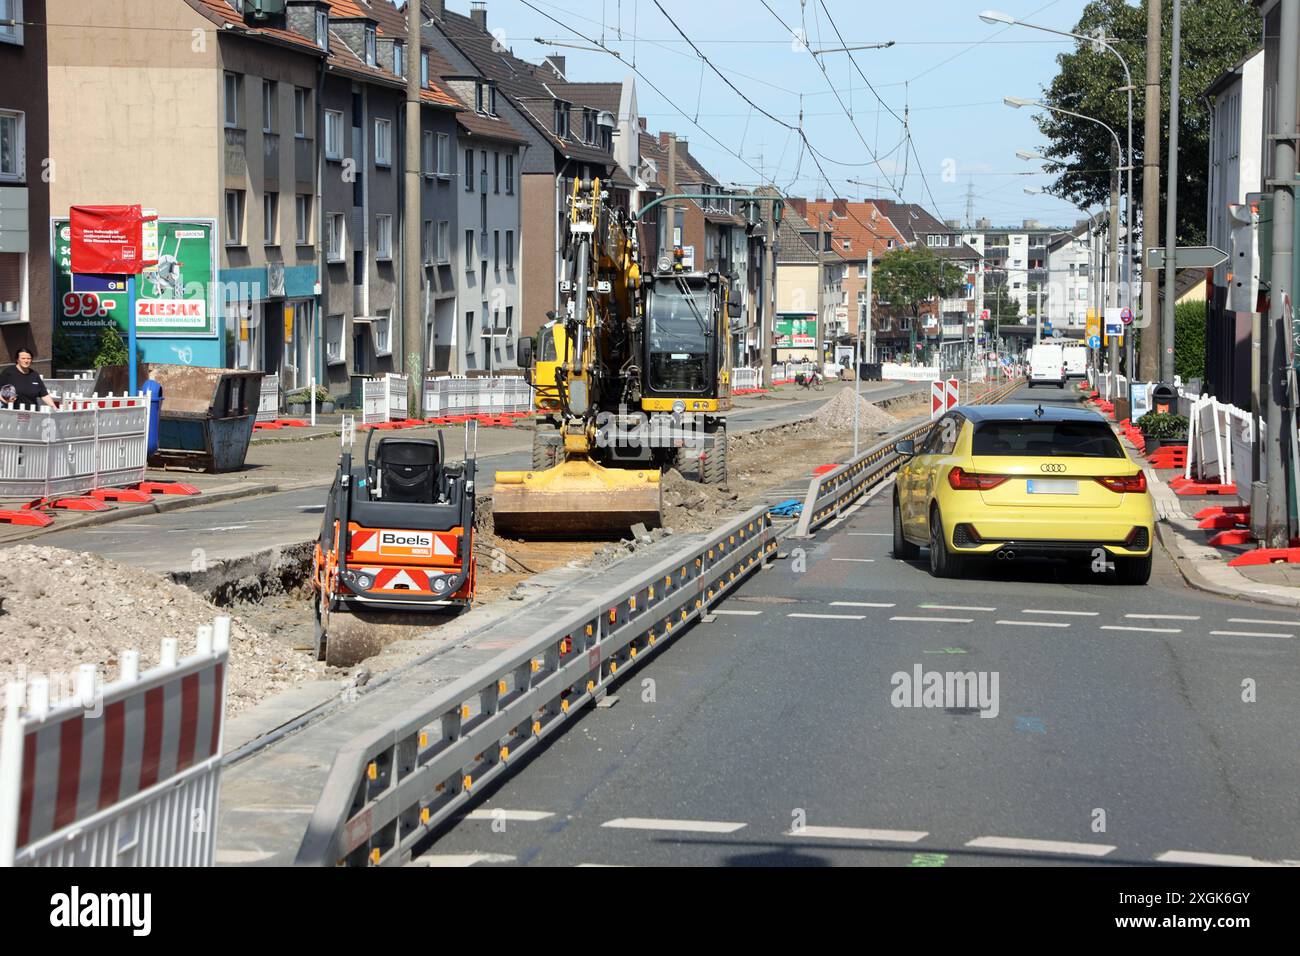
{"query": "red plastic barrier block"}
pixel 34 519
pixel 1217 522
pixel 822 469
pixel 166 488
pixel 1266 556
pixel 1212 510
pixel 130 496
pixel 74 503
pixel 290 423
pixel 266 426
pixel 1203 488
pixel 1235 536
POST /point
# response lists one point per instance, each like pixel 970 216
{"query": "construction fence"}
pixel 384 399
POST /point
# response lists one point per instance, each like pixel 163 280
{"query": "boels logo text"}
pixel 406 544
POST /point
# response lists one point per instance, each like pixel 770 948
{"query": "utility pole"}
pixel 1171 202
pixel 857 376
pixel 767 316
pixel 1113 270
pixel 413 342
pixel 670 240
pixel 1281 427
pixel 819 326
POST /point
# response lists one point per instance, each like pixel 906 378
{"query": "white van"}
pixel 1076 359
pixel 1047 365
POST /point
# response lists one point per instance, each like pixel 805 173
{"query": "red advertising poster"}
pixel 107 239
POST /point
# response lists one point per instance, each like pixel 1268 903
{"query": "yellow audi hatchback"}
pixel 1015 481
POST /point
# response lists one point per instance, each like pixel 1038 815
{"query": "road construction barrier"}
pixel 123 775
pixel 746 379
pixel 892 372
pixel 268 400
pixel 383 399
pixel 391 786
pixel 1216 432
pixel 97 441
pixel 83 383
pixel 451 395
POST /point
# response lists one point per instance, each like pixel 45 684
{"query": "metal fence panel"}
pixel 268 402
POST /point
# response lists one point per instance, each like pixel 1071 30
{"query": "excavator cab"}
pixel 397 536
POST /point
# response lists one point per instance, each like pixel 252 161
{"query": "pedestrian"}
pixel 22 384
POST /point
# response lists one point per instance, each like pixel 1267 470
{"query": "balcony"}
pixel 953 305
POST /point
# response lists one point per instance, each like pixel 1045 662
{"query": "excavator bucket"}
pixel 575 499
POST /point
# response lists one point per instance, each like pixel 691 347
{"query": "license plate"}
pixel 1053 486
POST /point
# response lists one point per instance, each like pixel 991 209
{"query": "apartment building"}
pixel 809 279
pixel 25 297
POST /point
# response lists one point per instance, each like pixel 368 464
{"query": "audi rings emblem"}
pixel 1052 467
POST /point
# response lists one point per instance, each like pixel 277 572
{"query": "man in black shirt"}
pixel 23 385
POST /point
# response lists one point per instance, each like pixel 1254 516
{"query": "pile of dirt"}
pixel 66 608
pixel 837 414
pixel 692 506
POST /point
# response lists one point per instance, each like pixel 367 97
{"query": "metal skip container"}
pixel 207 414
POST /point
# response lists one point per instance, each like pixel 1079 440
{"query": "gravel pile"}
pixel 66 608
pixel 837 414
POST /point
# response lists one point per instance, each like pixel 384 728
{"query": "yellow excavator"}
pixel 632 376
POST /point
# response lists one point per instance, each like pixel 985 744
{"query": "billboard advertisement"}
pixel 796 332
pixel 175 297
pixel 107 239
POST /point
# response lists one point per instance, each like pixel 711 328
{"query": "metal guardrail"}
pixel 387 789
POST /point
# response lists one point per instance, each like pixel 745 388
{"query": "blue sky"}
pixel 951 67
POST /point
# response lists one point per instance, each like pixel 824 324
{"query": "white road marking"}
pixel 685 826
pixel 736 613
pixel 523 816
pixel 1164 617
pixel 858 604
pixel 1034 610
pixel 1257 620
pixel 1218 859
pixel 856 560
pixel 859 833
pixel 1041 846
pixel 254 808
pixel 870 534
pixel 1036 623
pixel 242 856
pixel 1249 634
pixel 831 617
pixel 461 859
pixel 936 620
pixel 953 607
pixel 1144 630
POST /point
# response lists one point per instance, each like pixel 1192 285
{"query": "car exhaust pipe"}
pixel 1006 555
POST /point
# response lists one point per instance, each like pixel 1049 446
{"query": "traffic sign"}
pixel 1094 341
pixel 1188 257
pixel 1126 315
pixel 1113 324
pixel 1056 333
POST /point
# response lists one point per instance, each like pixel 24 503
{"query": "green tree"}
pixel 1189 340
pixel 909 278
pixel 1216 35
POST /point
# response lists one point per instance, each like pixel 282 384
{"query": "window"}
pixel 12 10
pixel 469 250
pixel 492 100
pixel 424 69
pixel 1073 439
pixel 334 237
pixel 510 248
pixel 383 142
pixel 334 339
pixel 234 217
pixel 846 243
pixel 426 242
pixel 469 170
pixel 399 59
pixel 323 35
pixel 301 111
pixel 496 249
pixel 482 168
pixel 13 159
pixel 561 120
pixel 333 134
pixel 379 329
pixel 372 46
pixel 268 106
pixel 496 172
pixel 478 97
pixel 589 126
pixel 510 174
pixel 443 249
pixel 444 154
pixel 234 88
pixel 302 220
pixel 271 219
pixel 426 153
pixel 383 236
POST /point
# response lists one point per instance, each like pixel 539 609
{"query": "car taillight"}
pixel 1123 484
pixel 970 481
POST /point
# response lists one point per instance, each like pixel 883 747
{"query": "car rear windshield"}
pixel 1053 439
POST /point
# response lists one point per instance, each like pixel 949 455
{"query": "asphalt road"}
pixel 771 735
pixel 231 529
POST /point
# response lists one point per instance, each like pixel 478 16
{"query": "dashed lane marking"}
pixel 870 534
pixel 1040 846
pixel 1218 859
pixel 1035 623
pixel 683 826
pixel 242 856
pixel 859 833
pixel 736 613
pixel 1249 634
pixel 935 620
pixel 859 604
pixel 1034 610
pixel 1258 620
pixel 1143 630
pixel 953 607
pixel 461 859
pixel 830 617
pixel 498 813
pixel 856 560
pixel 1163 617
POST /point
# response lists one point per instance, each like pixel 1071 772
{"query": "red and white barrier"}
pixel 127 776
pixel 944 395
